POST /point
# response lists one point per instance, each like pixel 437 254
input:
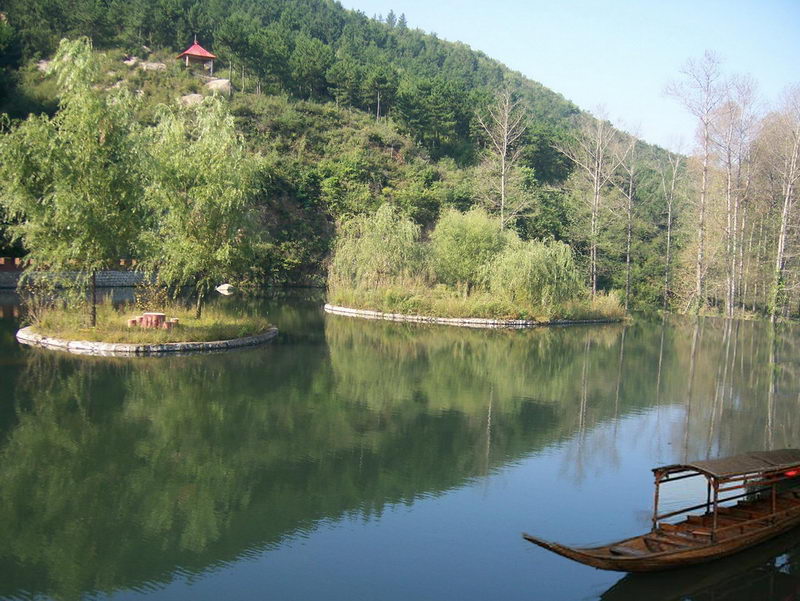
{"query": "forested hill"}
pixel 347 113
pixel 313 50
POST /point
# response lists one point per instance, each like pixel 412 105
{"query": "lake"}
pixel 354 459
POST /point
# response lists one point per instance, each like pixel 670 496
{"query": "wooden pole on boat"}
pixel 774 500
pixel 716 500
pixel 708 494
pixel 655 501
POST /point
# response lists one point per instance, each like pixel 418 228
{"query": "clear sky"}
pixel 619 54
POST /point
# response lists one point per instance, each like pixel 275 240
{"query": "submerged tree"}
pixel 70 183
pixel 200 191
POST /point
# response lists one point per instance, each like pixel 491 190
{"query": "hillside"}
pixel 307 77
pixel 348 113
pixel 311 50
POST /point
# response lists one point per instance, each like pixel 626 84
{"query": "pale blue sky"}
pixel 620 53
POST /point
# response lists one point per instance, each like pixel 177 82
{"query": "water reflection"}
pixel 120 474
pixel 768 572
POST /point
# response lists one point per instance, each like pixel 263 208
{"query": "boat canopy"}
pixel 760 463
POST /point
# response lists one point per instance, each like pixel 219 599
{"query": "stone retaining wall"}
pixel 468 322
pixel 105 279
pixel 9 279
pixel 86 347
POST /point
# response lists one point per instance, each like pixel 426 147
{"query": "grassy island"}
pixel 214 324
pixel 468 265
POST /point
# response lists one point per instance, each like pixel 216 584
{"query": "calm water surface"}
pixel 358 460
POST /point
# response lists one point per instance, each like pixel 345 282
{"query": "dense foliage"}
pixel 350 113
pixel 468 266
pixel 90 185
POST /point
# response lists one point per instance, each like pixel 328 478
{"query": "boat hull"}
pixel 631 555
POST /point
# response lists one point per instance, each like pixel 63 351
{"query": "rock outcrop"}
pixel 191 99
pixel 222 86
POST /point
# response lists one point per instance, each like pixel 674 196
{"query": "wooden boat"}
pixel 767 572
pixel 760 504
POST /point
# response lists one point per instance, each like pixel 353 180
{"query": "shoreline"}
pixel 466 322
pixel 123 349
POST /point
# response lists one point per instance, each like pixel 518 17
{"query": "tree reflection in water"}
pixel 117 474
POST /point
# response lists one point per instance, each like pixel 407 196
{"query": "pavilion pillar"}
pixel 655 500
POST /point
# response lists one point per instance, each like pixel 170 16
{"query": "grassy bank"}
pixel 442 302
pixel 215 324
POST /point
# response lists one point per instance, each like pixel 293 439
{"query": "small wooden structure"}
pixel 197 54
pixel 155 321
pixel 766 504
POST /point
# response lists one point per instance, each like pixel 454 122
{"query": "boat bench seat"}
pixel 622 550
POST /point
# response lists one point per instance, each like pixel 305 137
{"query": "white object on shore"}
pixel 225 289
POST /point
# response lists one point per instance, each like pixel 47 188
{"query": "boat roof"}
pixel 738 465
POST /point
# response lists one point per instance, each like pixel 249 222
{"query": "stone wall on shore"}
pixel 88 347
pixel 467 322
pixel 105 279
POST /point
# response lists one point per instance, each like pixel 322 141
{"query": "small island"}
pixel 468 270
pixel 63 329
pixel 177 199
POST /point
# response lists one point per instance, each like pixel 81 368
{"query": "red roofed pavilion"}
pixel 197 54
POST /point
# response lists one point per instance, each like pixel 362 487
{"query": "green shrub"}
pixel 462 244
pixel 535 274
pixel 373 250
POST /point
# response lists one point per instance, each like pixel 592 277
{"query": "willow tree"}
pixel 69 183
pixel 200 191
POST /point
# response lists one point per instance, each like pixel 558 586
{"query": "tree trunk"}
pixel 628 245
pixel 789 178
pixel 729 232
pixel 669 249
pixel 593 232
pixel 198 307
pixel 701 223
pixel 93 289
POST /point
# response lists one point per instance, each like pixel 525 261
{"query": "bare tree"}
pixel 701 91
pixel 781 144
pixel 590 148
pixel 669 170
pixel 732 134
pixel 504 126
pixel 625 156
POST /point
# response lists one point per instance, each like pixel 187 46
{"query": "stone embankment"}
pixel 87 347
pixel 467 322
pixel 11 270
pixel 105 279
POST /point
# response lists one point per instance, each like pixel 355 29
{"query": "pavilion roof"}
pixel 762 462
pixel 196 50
